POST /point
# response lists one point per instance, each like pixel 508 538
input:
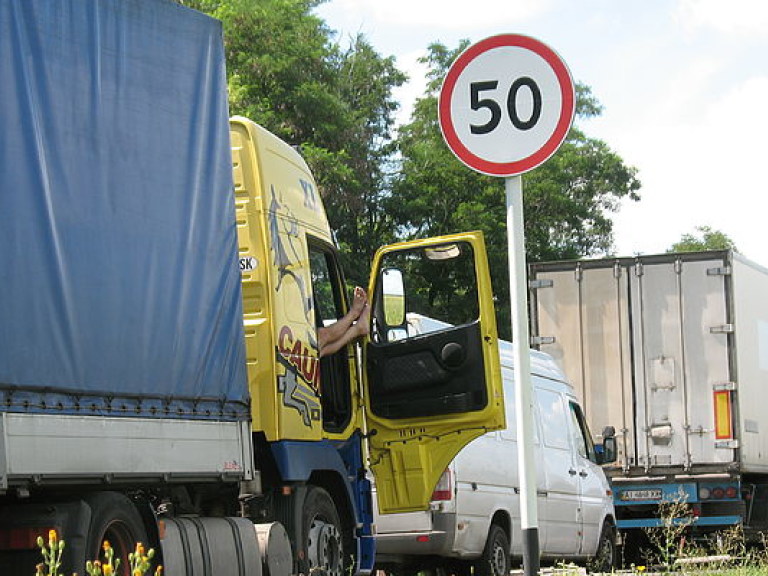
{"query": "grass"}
pixel 140 560
pixel 673 550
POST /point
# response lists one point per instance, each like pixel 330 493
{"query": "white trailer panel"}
pixel 750 318
pixel 87 448
pixel 651 346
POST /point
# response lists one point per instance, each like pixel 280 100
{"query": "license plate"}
pixel 632 495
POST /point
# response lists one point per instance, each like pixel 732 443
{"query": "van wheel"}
pixel 495 560
pixel 605 556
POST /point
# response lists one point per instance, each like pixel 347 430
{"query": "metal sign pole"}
pixel 484 93
pixel 518 297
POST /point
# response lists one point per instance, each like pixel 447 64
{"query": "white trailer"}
pixel 672 351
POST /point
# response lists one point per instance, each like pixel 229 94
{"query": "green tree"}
pixel 567 201
pixel 704 238
pixel 287 72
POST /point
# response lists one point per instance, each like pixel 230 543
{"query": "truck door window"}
pixel 327 296
pixel 439 291
pixel 430 361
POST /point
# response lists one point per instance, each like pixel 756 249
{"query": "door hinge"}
pixel 543 283
pixel 722 329
pixel 732 444
pixel 729 386
pixel 720 271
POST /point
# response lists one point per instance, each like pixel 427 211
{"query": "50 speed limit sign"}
pixel 506 105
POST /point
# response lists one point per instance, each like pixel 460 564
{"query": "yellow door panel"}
pixel 433 381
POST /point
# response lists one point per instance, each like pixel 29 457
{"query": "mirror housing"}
pixel 609 453
pixel 393 292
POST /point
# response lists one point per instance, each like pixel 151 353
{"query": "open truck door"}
pixel 433 379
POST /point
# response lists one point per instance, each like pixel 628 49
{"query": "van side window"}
pixel 510 407
pixel 554 421
pixel 582 439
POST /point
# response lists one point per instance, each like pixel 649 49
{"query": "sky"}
pixel 683 84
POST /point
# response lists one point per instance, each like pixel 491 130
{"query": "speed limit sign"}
pixel 506 105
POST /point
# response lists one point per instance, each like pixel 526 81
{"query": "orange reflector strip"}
pixel 723 426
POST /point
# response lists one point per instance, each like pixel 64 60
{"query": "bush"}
pixel 140 560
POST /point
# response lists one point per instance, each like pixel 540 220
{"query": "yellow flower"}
pixel 640 568
pixel 108 570
pixel 106 546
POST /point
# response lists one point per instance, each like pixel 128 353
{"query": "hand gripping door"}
pixel 433 380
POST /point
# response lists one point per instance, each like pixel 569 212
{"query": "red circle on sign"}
pixel 561 128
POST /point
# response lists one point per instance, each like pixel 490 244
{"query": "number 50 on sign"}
pixel 506 105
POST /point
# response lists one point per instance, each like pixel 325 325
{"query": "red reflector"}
pixel 730 492
pixel 696 510
pixel 22 538
pixel 441 495
pixel 443 490
pixel 718 493
pixel 422 538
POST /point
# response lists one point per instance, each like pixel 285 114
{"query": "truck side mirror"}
pixel 393 292
pixel 609 452
pixel 390 309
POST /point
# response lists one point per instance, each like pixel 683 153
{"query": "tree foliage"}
pixel 287 72
pixel 705 238
pixel 567 201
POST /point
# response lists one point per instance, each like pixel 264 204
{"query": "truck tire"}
pixel 495 560
pixel 606 554
pixel 322 535
pixel 114 518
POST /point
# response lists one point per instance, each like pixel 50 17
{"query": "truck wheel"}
pixel 605 556
pixel 495 560
pixel 114 518
pixel 323 540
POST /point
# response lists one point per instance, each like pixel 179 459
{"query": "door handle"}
pixel 572 472
pixel 583 474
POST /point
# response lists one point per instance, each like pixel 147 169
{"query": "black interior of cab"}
pixel 335 396
pixel 431 374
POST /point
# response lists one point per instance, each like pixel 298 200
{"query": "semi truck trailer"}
pixel 670 352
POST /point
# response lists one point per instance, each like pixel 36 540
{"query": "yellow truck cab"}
pixel 401 406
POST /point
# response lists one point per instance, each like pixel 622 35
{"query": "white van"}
pixel 474 520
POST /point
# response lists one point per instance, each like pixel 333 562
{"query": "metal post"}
pixel 518 297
